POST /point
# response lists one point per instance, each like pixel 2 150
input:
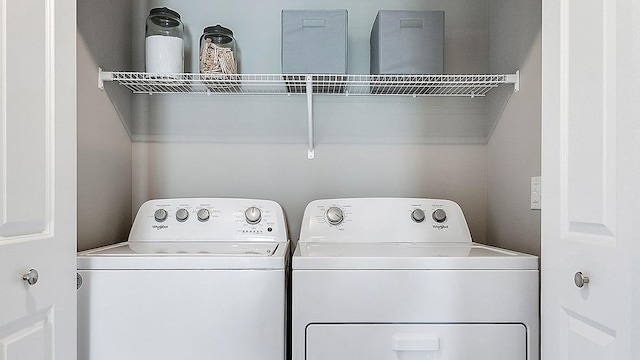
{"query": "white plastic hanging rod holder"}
pixel 309 79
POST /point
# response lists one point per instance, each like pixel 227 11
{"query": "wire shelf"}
pixel 309 84
pixel 287 84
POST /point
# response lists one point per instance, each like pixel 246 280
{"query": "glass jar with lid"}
pixel 218 51
pixel 164 41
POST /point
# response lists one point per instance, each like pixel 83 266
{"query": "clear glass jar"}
pixel 164 41
pixel 218 51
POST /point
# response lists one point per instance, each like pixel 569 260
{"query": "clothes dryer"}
pixel 198 279
pixel 401 279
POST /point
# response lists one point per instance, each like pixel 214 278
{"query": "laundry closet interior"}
pixel 479 151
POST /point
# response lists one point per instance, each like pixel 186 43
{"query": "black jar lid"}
pixel 164 11
pixel 219 34
pixel 218 29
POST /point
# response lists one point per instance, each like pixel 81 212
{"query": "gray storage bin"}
pixel 314 41
pixel 407 42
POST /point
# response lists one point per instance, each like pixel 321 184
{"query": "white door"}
pixel 37 179
pixel 591 177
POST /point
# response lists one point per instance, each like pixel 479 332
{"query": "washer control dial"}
pixel 253 215
pixel 439 215
pixel 203 215
pixel 160 215
pixel 334 215
pixel 418 215
pixel 182 215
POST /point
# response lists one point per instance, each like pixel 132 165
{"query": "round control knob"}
pixel 253 215
pixel 160 215
pixel 203 215
pixel 417 215
pixel 182 215
pixel 334 216
pixel 439 215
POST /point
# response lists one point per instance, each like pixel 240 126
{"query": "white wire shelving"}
pixel 288 84
pixel 309 84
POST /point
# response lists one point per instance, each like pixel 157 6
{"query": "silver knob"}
pixel 334 215
pixel 203 215
pixel 417 215
pixel 439 215
pixel 580 279
pixel 182 215
pixel 160 215
pixel 31 277
pixel 253 215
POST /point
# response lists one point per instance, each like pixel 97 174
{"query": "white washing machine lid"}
pixel 186 256
pixel 398 255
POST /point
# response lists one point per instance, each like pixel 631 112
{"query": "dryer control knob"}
pixel 253 215
pixel 160 215
pixel 439 215
pixel 334 215
pixel 203 215
pixel 182 215
pixel 417 215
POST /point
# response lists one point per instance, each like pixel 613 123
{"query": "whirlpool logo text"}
pixel 160 227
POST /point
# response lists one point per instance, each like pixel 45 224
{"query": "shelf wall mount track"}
pixel 437 85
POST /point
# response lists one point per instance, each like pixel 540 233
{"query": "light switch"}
pixel 536 193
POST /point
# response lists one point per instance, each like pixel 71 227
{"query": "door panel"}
pixel 30 338
pixel 588 93
pixel 37 179
pixel 585 338
pixel 585 221
pixel 26 78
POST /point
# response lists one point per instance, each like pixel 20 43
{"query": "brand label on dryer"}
pixel 160 227
pixel 440 227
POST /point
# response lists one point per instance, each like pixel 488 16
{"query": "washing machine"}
pixel 198 279
pixel 401 279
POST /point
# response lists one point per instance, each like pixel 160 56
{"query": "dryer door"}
pixel 416 341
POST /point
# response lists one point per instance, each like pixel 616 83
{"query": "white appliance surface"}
pixel 175 255
pixel 197 279
pixel 390 278
pixel 469 256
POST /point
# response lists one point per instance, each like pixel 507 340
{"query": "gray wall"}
pixel 513 151
pixel 284 174
pixel 104 147
pixel 339 119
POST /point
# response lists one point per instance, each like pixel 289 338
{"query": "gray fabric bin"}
pixel 314 41
pixel 407 42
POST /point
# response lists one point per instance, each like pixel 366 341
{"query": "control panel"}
pixel 209 219
pixel 384 220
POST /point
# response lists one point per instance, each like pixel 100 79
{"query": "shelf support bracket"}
pixel 102 77
pixel 309 80
pixel 515 80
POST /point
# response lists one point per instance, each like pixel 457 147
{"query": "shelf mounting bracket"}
pixel 515 80
pixel 309 81
pixel 103 76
